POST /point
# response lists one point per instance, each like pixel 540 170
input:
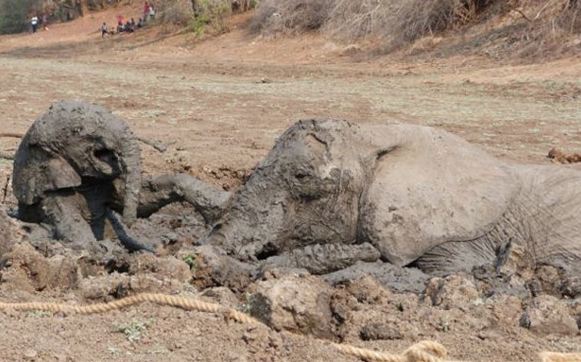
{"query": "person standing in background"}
pixel 145 10
pixel 34 23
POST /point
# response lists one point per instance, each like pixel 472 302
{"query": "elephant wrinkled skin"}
pixel 78 164
pixel 333 192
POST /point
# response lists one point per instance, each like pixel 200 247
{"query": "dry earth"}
pixel 220 103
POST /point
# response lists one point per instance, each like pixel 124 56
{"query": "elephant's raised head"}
pixel 77 143
pixel 306 191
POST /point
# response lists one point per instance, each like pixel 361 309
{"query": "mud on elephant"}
pixel 331 193
pixel 78 165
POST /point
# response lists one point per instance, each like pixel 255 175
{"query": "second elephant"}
pixel 333 192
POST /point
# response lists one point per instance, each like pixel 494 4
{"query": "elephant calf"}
pixel 332 192
pixel 78 163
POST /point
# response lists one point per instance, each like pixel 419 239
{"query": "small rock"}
pixel 30 355
pixel 489 335
pixel 215 268
pixel 452 291
pixel 379 331
pixel 505 309
pixel 549 315
pixel 222 296
pixel 294 303
pixel 166 267
pixel 367 290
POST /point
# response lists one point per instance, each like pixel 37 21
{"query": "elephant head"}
pixel 404 189
pixel 75 144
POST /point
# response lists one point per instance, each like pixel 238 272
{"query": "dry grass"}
pixel 291 16
pixel 397 23
pixel 175 12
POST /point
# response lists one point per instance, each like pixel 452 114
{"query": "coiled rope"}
pixel 426 351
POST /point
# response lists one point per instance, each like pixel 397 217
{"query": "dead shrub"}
pixel 291 16
pixel 521 28
pixel 418 18
pixel 174 12
pixel 352 20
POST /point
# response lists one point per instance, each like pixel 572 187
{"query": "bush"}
pixel 211 15
pixel 290 16
pixel 351 20
pixel 399 22
pixel 418 18
pixel 200 15
pixel 175 12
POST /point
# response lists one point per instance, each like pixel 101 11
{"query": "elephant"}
pixel 78 165
pixel 331 193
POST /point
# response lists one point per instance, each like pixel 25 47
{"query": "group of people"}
pixel 129 26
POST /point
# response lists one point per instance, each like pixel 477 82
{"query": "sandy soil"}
pixel 220 103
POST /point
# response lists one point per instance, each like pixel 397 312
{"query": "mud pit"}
pixel 358 299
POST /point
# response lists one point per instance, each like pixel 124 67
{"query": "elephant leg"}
pixel 69 220
pixel 161 191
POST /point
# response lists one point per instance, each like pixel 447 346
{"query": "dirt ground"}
pixel 220 103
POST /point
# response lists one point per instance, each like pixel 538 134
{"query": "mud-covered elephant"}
pixel 78 164
pixel 332 192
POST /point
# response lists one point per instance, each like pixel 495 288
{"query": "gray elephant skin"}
pixel 332 192
pixel 78 164
pixel 73 162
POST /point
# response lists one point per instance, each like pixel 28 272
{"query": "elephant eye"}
pixel 104 154
pixel 300 175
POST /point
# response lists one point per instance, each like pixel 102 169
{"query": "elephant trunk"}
pixel 253 225
pixel 131 163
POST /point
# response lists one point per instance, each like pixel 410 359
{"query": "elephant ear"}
pixel 430 187
pixel 36 172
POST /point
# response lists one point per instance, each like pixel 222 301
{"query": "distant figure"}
pixel 45 21
pixel 151 12
pixel 34 23
pixel 120 23
pixel 133 25
pixel 104 30
pixel 146 10
pixel 140 23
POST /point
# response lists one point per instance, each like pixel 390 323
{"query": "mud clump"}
pixel 452 291
pixel 378 331
pixel 549 315
pixel 212 267
pixel 10 233
pixel 24 268
pixel 294 303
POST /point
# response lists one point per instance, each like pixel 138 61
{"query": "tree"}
pixel 14 15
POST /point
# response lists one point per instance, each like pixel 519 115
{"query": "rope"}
pixel 159 299
pixel 560 357
pixel 425 351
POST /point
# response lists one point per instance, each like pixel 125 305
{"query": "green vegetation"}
pixel 14 15
pixel 133 330
pixel 191 261
pixel 210 15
